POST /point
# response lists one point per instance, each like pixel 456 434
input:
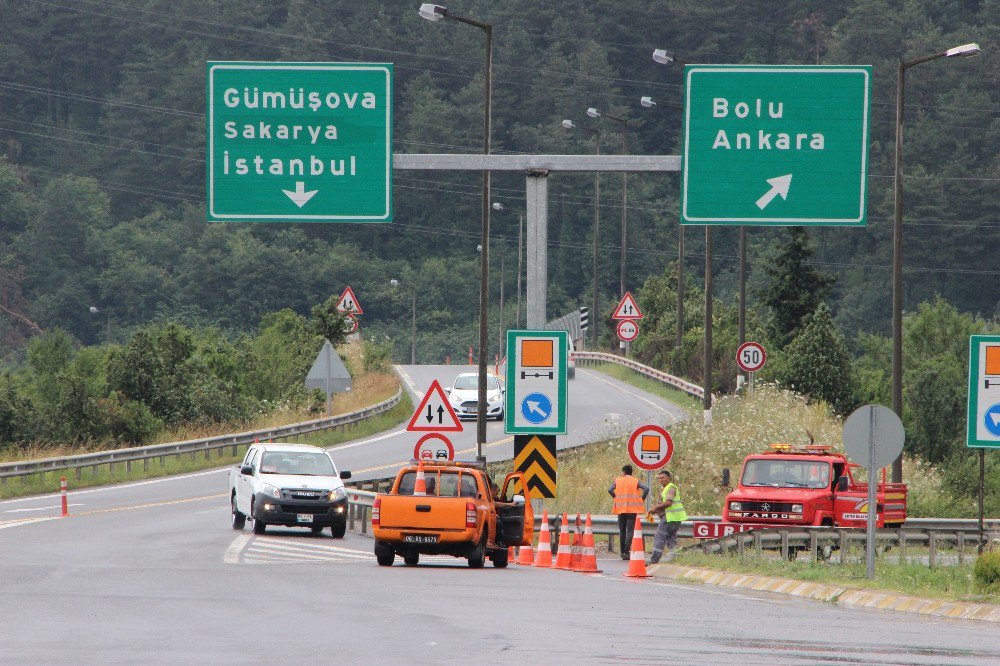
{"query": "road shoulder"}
pixel 843 596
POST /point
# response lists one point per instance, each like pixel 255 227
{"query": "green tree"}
pixel 330 323
pixel 796 288
pixel 818 364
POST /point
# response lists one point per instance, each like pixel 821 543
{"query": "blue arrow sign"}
pixel 992 420
pixel 536 407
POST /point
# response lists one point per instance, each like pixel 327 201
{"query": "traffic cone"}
pixel 420 485
pixel 564 556
pixel 588 558
pixel 543 558
pixel 577 549
pixel 525 556
pixel 637 560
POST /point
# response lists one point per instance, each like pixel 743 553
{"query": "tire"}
pixel 500 559
pixel 258 525
pixel 384 555
pixel 239 519
pixel 477 558
pixel 338 530
pixel 411 559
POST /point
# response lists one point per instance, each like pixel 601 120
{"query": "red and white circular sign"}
pixel 650 447
pixel 751 356
pixel 433 446
pixel 353 323
pixel 628 330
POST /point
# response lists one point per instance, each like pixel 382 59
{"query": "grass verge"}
pixel 629 376
pixel 954 583
pixel 48 482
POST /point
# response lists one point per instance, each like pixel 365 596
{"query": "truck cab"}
pixel 808 485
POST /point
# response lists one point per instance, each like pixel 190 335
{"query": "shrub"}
pixel 987 569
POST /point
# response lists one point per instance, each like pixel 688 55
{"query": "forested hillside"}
pixel 102 176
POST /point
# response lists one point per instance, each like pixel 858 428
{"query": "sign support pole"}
pixel 872 501
pixel 982 481
pixel 649 484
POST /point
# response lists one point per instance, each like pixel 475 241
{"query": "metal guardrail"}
pixel 653 373
pixel 193 446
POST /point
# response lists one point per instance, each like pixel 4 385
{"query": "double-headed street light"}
pixel 413 325
pixel 435 13
pixel 569 124
pixel 963 51
pixel 499 207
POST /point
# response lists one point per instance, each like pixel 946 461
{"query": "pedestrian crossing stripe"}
pixel 535 456
pixel 292 550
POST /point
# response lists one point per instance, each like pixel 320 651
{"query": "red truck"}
pixel 808 485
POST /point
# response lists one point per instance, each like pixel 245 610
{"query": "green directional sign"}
pixel 536 390
pixel 299 142
pixel 775 145
pixel 983 424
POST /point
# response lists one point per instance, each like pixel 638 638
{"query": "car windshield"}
pixel 441 484
pixel 786 473
pixel 471 383
pixel 305 463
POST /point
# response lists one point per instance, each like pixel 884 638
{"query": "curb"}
pixel 832 593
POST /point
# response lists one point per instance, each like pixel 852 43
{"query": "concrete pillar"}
pixel 537 191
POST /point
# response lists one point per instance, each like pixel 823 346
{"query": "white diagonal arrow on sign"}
pixel 779 185
pixel 300 196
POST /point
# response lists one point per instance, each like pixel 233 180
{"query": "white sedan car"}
pixel 464 396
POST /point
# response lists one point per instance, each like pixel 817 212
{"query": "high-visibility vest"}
pixel 675 512
pixel 627 497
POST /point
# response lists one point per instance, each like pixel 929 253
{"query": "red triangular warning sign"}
pixel 627 309
pixel 349 303
pixel 434 413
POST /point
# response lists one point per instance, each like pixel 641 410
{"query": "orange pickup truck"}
pixel 459 515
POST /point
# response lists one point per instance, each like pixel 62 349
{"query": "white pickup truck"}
pixel 288 484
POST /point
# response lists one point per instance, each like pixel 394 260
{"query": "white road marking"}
pixel 104 489
pixel 334 449
pixel 409 381
pixel 232 555
pixel 634 395
pixel 26 521
pixel 42 508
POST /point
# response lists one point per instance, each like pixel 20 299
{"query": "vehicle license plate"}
pixel 304 518
pixel 420 538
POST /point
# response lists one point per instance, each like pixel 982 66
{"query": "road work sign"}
pixel 775 145
pixel 535 456
pixel 299 142
pixel 536 382
pixel 434 413
pixel 983 426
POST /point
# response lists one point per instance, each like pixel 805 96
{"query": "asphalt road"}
pixel 151 573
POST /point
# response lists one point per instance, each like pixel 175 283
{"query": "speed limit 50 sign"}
pixel 750 356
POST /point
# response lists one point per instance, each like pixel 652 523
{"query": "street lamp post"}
pixel 897 235
pixel 497 206
pixel 594 113
pixel 433 12
pixel 413 322
pixel 594 318
pixel 107 322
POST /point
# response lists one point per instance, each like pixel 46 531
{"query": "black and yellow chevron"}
pixel 535 456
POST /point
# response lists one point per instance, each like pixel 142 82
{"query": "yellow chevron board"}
pixel 535 457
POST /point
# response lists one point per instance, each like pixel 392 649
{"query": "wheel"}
pixel 477 558
pixel 316 529
pixel 239 519
pixel 500 559
pixel 411 559
pixel 338 530
pixel 258 525
pixel 384 554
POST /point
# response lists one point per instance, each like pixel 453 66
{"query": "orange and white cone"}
pixel 577 549
pixel 564 556
pixel 588 558
pixel 637 560
pixel 525 555
pixel 420 485
pixel 543 558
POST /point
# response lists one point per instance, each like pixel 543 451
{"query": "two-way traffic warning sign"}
pixel 535 457
pixel 348 303
pixel 434 414
pixel 627 308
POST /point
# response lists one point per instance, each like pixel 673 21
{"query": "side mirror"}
pixel 447 389
pixel 517 499
pixel 345 474
pixel 247 470
pixel 842 484
pixel 725 476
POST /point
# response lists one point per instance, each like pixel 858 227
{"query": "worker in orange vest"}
pixel 629 496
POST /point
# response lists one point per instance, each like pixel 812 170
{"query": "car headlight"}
pixel 271 491
pixel 337 494
pixel 454 398
pixel 495 398
pixel 796 508
pixel 736 506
